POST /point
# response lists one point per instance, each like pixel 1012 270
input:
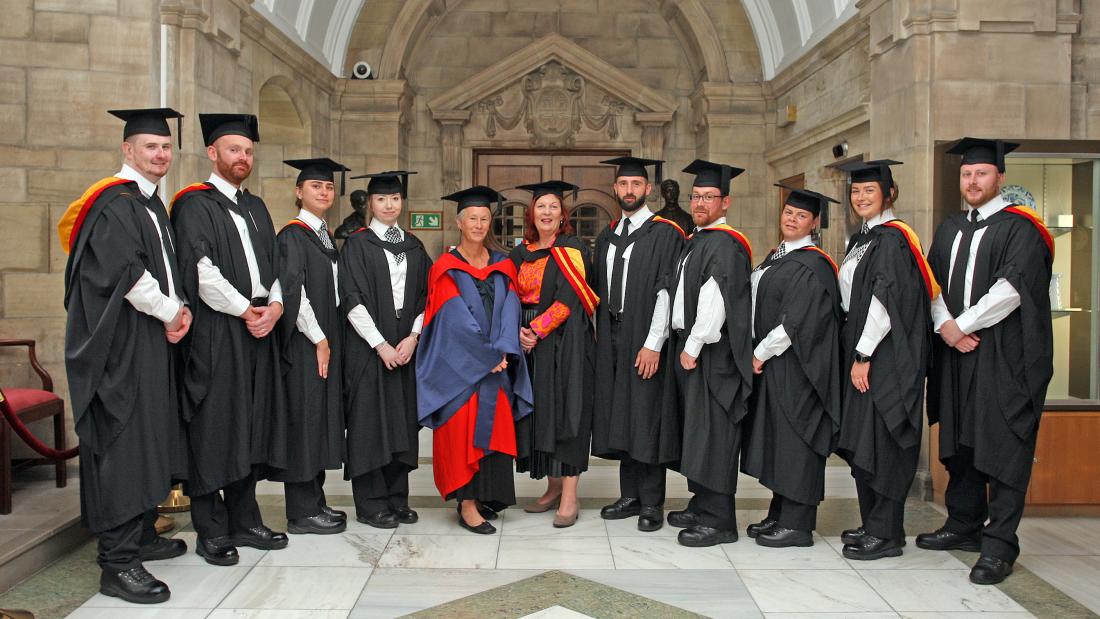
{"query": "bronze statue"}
pixel 670 191
pixel 358 217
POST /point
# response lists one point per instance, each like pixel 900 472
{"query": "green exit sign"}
pixel 426 221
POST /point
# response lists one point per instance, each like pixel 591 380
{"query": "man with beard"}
pixel 992 361
pixel 635 264
pixel 709 354
pixel 125 310
pixel 233 402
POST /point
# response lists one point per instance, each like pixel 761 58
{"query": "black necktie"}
pixel 616 301
pixel 956 289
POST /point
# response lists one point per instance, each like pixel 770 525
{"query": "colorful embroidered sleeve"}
pixel 554 317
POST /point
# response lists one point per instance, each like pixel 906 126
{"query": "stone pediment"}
pixel 532 60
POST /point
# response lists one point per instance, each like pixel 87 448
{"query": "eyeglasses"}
pixel 704 199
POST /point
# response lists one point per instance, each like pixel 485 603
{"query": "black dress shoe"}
pixel 851 537
pixel 623 508
pixel 320 524
pixel 261 537
pixel 682 519
pixel 405 515
pixel 485 528
pixel 217 550
pixel 990 570
pixel 380 520
pixel 782 537
pixel 763 526
pixel 334 513
pixel 699 536
pixel 163 548
pixel 134 585
pixel 942 539
pixel 650 518
pixel 869 548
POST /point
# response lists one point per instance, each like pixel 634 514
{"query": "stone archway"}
pixel 284 134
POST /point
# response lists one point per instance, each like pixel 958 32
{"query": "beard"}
pixel 232 173
pixel 639 202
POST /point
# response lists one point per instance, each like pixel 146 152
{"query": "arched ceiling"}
pixel 784 29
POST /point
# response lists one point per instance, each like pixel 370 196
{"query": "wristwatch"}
pixel 862 358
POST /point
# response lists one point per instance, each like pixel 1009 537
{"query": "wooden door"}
pixel 594 208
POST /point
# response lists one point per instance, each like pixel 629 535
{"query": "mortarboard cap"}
pixel 877 170
pixel 215 126
pixel 811 201
pixel 478 195
pixel 152 120
pixel 710 174
pixel 319 169
pixel 636 166
pixel 558 188
pixel 978 150
pixel 386 183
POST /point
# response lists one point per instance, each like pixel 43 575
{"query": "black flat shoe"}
pixel 334 513
pixel 320 524
pixel 163 548
pixel 782 537
pixel 380 520
pixel 134 585
pixel 261 537
pixel 763 526
pixel 699 536
pixel 405 515
pixel 650 518
pixel 942 539
pixel 990 570
pixel 852 537
pixel 485 528
pixel 870 548
pixel 217 550
pixel 487 513
pixel 682 519
pixel 623 508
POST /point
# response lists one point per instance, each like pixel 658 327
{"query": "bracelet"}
pixel 862 358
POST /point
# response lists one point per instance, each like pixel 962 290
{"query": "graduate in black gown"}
pixel 126 312
pixel 472 380
pixel 796 396
pixel 234 400
pixel 635 262
pixel 557 335
pixel 384 285
pixel 885 288
pixel 709 377
pixel 992 361
pixel 311 335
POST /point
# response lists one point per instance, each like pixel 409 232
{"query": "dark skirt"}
pixel 540 463
pixel 492 485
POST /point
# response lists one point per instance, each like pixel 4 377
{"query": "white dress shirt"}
pixel 658 326
pixel 359 317
pixel 214 289
pixel 145 294
pixel 1001 300
pixel 710 312
pixel 776 342
pixel 307 319
pixel 878 319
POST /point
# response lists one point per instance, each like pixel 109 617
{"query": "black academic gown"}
pixel 380 403
pixel 630 417
pixel 711 401
pixel 562 371
pixel 880 431
pixel 234 400
pixel 121 368
pixel 990 400
pixel 315 408
pixel 796 399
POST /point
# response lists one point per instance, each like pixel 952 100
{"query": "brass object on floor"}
pixel 177 501
pixel 164 524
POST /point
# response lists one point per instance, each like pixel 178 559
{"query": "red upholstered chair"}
pixel 29 405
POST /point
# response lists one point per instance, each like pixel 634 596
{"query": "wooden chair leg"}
pixel 5 467
pixel 59 443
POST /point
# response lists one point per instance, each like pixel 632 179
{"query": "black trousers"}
pixel 385 488
pixel 969 505
pixel 712 509
pixel 792 514
pixel 304 498
pixel 232 510
pixel 119 548
pixel 639 480
pixel 881 515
